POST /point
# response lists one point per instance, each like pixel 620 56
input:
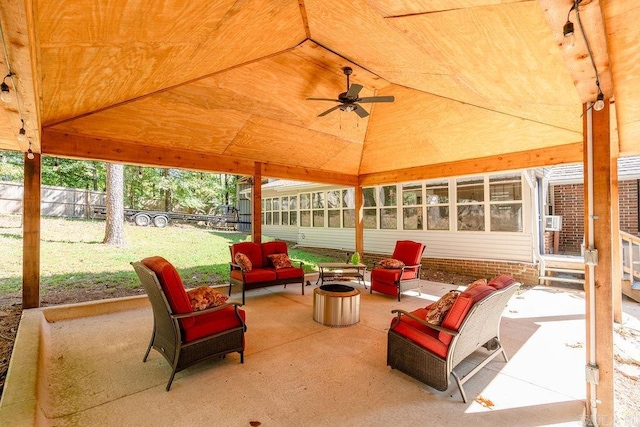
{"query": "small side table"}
pixel 330 270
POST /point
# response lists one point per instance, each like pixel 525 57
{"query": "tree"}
pixel 114 230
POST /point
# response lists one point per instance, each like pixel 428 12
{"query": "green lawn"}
pixel 72 255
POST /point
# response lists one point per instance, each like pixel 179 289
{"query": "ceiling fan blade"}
pixel 323 99
pixel 354 90
pixel 360 111
pixel 329 110
pixel 377 99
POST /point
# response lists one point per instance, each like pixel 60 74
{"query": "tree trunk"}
pixel 114 233
pixel 167 192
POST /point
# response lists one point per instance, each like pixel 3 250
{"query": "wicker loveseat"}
pixel 262 272
pixel 429 353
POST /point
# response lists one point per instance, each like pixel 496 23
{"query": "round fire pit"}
pixel 336 305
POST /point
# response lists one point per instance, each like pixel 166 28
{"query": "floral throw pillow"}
pixel 280 260
pixel 439 309
pixel 391 263
pixel 243 261
pixel 476 283
pixel 204 297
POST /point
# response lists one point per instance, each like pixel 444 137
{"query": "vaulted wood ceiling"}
pixel 222 85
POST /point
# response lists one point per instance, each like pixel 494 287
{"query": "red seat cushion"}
pixel 172 286
pixel 212 323
pixel 501 281
pixel 289 273
pixel 460 308
pixel 257 275
pixel 252 250
pixel 420 334
pixel 390 276
pixel 270 248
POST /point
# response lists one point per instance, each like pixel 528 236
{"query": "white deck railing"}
pixel 630 256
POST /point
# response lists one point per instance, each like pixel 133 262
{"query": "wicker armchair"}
pixel 429 353
pixel 394 281
pixel 185 337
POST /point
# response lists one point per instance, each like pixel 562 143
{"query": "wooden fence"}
pixel 56 201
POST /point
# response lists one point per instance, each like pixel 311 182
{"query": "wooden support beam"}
pixel 18 29
pixel 256 212
pixel 359 220
pixel 599 297
pixel 31 233
pixel 616 246
pixel 570 153
pixel 309 175
pixel 86 148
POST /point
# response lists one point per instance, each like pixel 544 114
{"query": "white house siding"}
pixel 468 245
pixel 281 232
pixel 333 238
pixel 479 246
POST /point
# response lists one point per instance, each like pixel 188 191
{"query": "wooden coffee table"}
pixel 331 270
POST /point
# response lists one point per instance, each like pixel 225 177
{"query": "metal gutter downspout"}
pixel 591 357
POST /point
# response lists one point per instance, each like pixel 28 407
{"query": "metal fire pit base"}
pixel 336 305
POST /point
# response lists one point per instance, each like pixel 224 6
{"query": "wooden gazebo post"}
pixel 359 223
pixel 256 214
pixel 599 263
pixel 31 232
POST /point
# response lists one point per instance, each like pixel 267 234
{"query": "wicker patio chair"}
pixel 185 337
pixel 429 353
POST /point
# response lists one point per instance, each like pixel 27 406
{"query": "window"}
pixel 317 204
pixel 437 198
pixel 333 208
pixel 267 207
pixel 505 194
pixel 284 214
pixel 349 211
pixel 388 213
pixel 412 206
pixel 370 212
pixel 293 210
pixel 305 210
pixel 470 204
pixel 276 211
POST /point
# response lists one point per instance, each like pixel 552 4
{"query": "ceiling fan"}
pixel 349 100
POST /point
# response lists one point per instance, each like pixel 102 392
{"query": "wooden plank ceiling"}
pixel 222 85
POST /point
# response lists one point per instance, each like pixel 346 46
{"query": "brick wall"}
pixel 568 202
pixel 628 196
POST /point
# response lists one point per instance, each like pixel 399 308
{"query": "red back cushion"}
pixel 454 317
pixel 270 248
pixel 252 250
pixel 408 251
pixel 171 285
pixel 501 281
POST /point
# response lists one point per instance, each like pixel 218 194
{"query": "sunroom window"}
pixel 505 192
pixel 470 204
pixel 412 206
pixel 437 198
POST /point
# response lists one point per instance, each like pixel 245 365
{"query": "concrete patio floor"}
pixel 82 365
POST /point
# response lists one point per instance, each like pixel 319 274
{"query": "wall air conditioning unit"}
pixel 552 223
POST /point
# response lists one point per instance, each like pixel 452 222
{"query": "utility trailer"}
pixel 226 219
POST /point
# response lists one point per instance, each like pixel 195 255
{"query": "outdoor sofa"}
pixel 262 264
